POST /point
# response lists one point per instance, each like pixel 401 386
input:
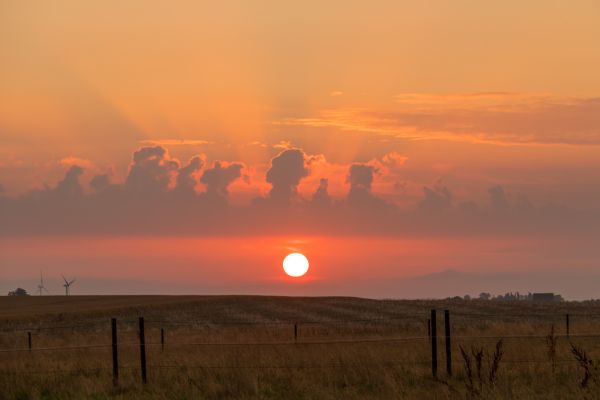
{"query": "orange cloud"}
pixel 175 142
pixel 284 145
pixel 490 118
pixel 71 161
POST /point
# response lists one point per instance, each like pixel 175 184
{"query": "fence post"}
pixel 567 322
pixel 429 328
pixel 142 350
pixel 115 352
pixel 433 344
pixel 162 339
pixel 448 342
pixel 295 332
pixel 29 340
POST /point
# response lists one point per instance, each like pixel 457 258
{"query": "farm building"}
pixel 543 297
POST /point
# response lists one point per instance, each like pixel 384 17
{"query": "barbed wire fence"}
pixel 431 339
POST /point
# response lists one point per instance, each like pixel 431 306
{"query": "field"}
pixel 254 347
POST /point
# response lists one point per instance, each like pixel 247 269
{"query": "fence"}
pixel 431 339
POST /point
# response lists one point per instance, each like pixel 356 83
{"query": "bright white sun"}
pixel 295 264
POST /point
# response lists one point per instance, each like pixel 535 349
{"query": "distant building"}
pixel 543 297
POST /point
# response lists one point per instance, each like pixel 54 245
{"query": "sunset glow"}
pixel 390 143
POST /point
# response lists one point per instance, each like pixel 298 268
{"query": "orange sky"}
pixel 452 97
pixel 97 80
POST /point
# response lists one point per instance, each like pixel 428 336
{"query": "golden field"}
pixel 243 347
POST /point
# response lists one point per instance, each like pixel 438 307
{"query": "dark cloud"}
pixel 287 169
pixel 100 183
pixel 360 177
pixel 70 186
pixel 218 178
pixel 436 199
pixel 468 206
pixel 151 171
pixel 321 196
pixel 498 199
pixel 523 205
pixel 151 201
pixel 186 176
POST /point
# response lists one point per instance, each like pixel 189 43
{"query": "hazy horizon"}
pixel 397 268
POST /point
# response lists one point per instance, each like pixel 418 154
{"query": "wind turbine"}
pixel 41 286
pixel 67 284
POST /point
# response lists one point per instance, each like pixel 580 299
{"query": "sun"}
pixel 295 264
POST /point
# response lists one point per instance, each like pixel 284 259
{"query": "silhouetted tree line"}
pixel 509 296
pixel 18 292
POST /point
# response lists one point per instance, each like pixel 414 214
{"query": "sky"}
pixel 408 149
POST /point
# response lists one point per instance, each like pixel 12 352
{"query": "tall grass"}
pixel 203 357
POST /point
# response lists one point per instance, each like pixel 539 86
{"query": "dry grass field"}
pixel 243 347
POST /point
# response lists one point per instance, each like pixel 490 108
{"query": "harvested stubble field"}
pixel 244 347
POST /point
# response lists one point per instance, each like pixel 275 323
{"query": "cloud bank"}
pixel 162 195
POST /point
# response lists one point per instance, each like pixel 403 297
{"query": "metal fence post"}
pixel 162 339
pixel 142 350
pixel 429 328
pixel 115 351
pixel 433 344
pixel 448 342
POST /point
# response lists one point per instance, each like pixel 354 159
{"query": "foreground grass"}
pixel 358 365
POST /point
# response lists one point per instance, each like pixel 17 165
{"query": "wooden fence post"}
pixel 295 332
pixel 433 344
pixel 567 322
pixel 448 342
pixel 142 350
pixel 115 351
pixel 162 339
pixel 29 340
